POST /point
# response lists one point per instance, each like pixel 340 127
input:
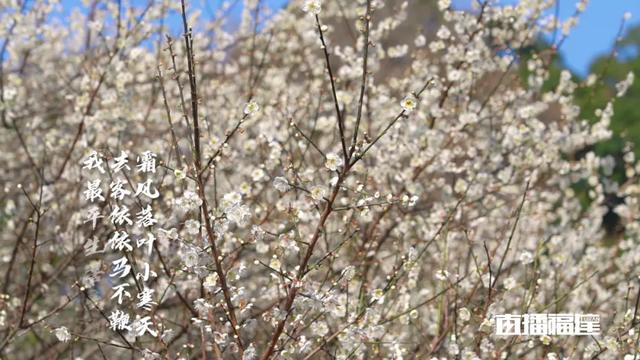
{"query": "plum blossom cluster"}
pixel 339 180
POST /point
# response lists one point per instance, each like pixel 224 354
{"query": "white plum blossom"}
pixel 526 257
pixel 257 175
pixel 202 306
pixel 192 226
pixel 319 328
pixel 240 214
pixel 443 33
pixel 460 186
pixel 442 275
pixel 312 6
pixel 624 85
pixel 250 353
pixel 318 192
pixel 378 295
pixel 180 174
pixel 509 283
pixel 444 4
pixel 409 103
pixel 211 282
pixel 333 162
pixel 348 273
pixel 464 314
pixel 281 184
pixel 189 201
pixel 251 108
pixel 468 118
pixel 398 51
pixel 62 334
pixel 190 257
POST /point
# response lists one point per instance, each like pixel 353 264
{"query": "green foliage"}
pixel 626 120
pixel 610 70
pixel 555 68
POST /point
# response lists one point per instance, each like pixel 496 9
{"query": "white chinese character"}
pixel 93 191
pixel 119 320
pixel 587 324
pixel 536 324
pixel 146 189
pixel 145 299
pixel 508 325
pixel 92 216
pixel 121 268
pixel 120 292
pixel 147 163
pixel 93 161
pixel 120 162
pixel 561 324
pixel 146 241
pixel 144 276
pixel 141 326
pixel 145 217
pixel 120 215
pixel 548 324
pixel 120 241
pixel 118 192
pixel 91 247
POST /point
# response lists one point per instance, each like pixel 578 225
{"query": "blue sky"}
pixel 593 36
pixel 595 33
pixel 596 30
